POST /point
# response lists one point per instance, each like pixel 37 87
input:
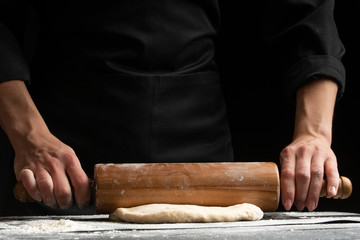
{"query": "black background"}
pixel 260 116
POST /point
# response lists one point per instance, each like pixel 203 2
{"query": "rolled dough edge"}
pixel 178 213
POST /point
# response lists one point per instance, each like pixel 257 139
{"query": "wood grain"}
pixel 207 184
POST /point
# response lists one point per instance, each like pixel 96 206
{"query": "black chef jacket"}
pixel 136 81
pixel 167 37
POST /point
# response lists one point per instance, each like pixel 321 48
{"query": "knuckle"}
pixel 63 191
pixel 302 175
pixel 303 149
pixel 69 158
pixel 316 174
pixel 286 152
pixel 287 173
pixel 60 162
pixel 44 185
pixel 332 161
pixel 53 166
pixel 41 155
pixel 49 162
pixel 80 182
pixel 317 148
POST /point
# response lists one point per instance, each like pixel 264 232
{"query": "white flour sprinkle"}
pixel 43 226
pixel 49 226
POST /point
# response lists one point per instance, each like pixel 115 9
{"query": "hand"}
pixel 303 164
pixel 48 168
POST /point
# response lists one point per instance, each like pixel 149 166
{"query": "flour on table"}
pixel 49 226
pixel 177 213
pixel 41 226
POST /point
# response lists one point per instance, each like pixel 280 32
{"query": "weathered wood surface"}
pixel 206 184
pixel 275 225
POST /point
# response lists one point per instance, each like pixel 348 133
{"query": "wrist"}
pixel 25 130
pixel 315 104
pixel 313 130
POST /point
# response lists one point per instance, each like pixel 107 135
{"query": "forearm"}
pixel 309 156
pixel 19 116
pixel 314 110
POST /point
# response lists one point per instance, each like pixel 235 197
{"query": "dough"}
pixel 177 213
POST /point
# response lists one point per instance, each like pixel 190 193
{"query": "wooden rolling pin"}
pixel 207 184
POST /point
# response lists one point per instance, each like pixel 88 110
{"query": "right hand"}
pixel 48 168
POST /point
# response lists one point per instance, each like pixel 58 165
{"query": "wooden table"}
pixel 275 225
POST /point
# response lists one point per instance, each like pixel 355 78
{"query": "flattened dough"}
pixel 177 213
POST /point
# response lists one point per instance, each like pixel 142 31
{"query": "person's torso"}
pixel 129 37
pixel 132 81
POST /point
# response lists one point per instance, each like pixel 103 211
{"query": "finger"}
pixel 332 176
pixel 45 185
pixel 28 180
pixel 79 181
pixel 62 190
pixel 287 178
pixel 317 174
pixel 302 177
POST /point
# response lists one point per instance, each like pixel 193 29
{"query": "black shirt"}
pixel 130 37
pixel 174 37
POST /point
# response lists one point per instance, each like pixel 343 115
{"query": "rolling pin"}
pixel 206 184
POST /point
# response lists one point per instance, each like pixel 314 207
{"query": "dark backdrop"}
pixel 261 118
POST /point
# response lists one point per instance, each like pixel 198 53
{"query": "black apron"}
pixel 138 119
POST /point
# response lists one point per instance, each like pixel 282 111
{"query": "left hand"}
pixel 303 164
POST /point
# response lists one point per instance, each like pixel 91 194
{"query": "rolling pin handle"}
pixel 344 189
pixel 21 194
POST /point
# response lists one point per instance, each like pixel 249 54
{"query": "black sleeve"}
pixel 13 66
pixel 304 39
